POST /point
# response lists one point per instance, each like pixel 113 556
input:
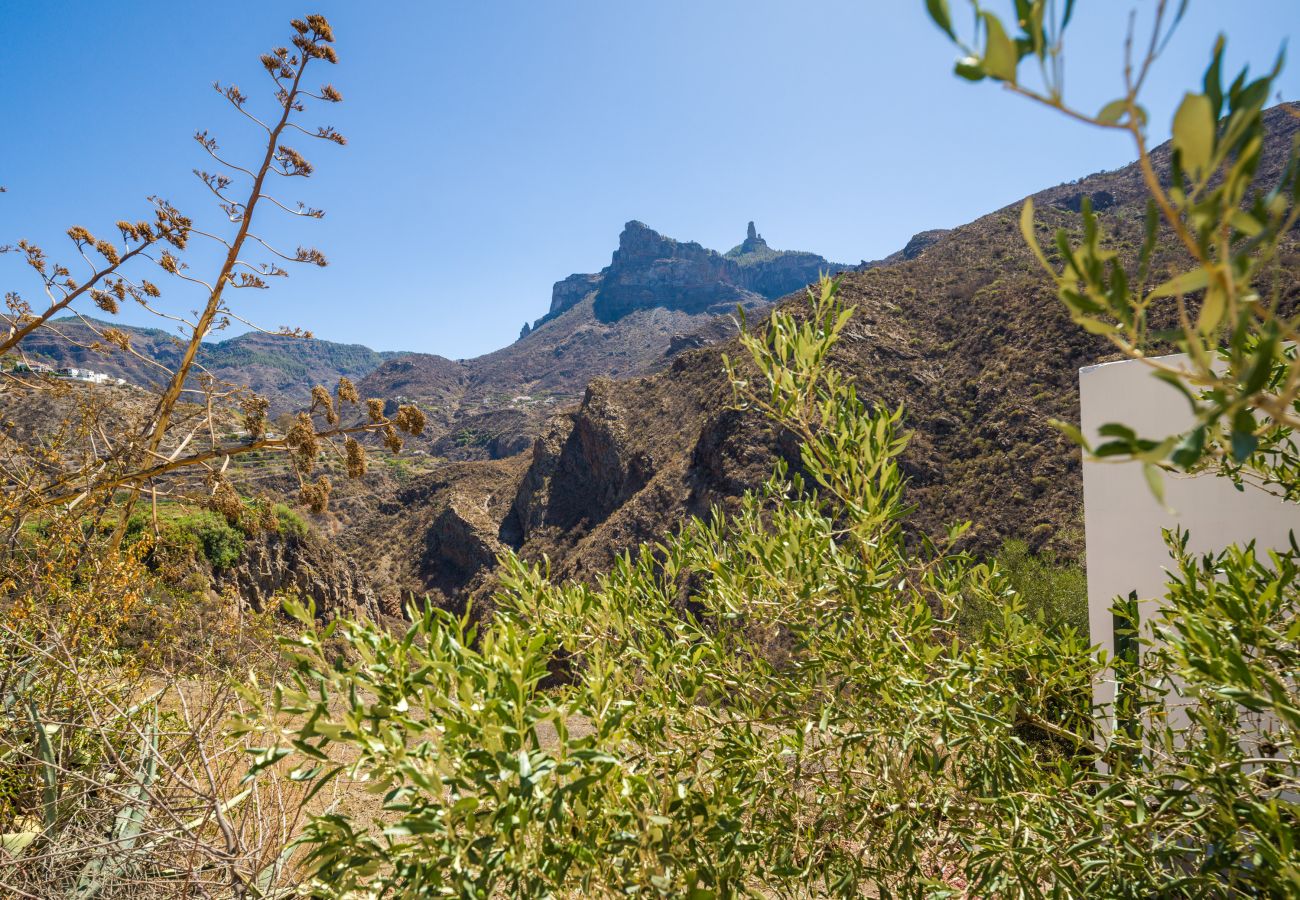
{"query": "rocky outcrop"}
pixel 650 270
pixel 305 566
pixel 533 498
pixel 584 466
pixel 568 292
pixel 916 245
pixel 460 544
pixel 922 241
pixel 1100 200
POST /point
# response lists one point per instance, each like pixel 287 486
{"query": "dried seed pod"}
pixel 392 440
pixel 410 419
pixel 347 391
pixel 356 458
pixel 255 410
pixel 316 495
pixel 304 443
pixel 226 500
pixel 320 399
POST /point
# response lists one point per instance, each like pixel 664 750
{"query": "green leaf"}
pixel 1243 445
pixel 1070 431
pixel 15 842
pixel 1185 283
pixel 1031 238
pixel 1212 309
pixel 1244 442
pixel 1112 112
pixel 1155 481
pixel 49 768
pixel 1246 223
pixel 1117 430
pixel 1194 132
pixel 938 10
pixel 1096 326
pixel 1000 56
pixel 1188 451
pixel 1214 79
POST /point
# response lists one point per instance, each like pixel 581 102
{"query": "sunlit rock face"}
pixel 651 270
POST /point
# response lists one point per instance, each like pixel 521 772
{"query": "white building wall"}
pixel 1123 520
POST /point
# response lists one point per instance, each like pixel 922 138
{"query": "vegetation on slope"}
pixel 772 700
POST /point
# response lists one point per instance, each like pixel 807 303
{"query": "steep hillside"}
pixel 967 334
pixel 652 299
pixel 283 369
pixel 656 298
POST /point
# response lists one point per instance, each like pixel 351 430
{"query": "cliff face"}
pixel 961 328
pixel 568 292
pixel 306 566
pixel 650 270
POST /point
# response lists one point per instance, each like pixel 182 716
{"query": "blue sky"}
pixel 496 147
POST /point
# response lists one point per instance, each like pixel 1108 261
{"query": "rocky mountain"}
pixel 963 330
pixel 281 368
pixel 651 271
pixel 657 297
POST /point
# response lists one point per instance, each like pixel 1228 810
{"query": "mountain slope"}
pixel 967 335
pixel 623 320
pixel 281 368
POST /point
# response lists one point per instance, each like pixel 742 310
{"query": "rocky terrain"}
pixel 278 367
pixel 961 328
pixel 308 567
pixel 611 419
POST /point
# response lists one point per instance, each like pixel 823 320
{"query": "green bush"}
pixel 289 522
pixel 1053 593
pixel 208 534
pixel 773 703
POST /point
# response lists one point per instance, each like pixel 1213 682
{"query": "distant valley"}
pixel 657 297
pixel 610 419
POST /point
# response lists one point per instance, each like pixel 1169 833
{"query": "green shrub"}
pixel 208 534
pixel 1053 593
pixel 289 522
pixel 771 703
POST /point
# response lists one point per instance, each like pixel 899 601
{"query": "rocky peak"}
pixel 650 270
pixel 753 243
pixel 639 244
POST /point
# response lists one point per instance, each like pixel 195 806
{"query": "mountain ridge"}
pixel 967 335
